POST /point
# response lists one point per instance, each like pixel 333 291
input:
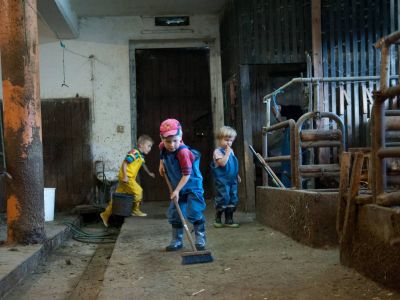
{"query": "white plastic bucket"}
pixel 49 199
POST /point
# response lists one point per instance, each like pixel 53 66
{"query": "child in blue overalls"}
pixel 225 169
pixel 181 165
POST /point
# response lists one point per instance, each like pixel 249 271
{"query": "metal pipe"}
pixel 298 141
pixel 389 152
pixel 325 79
pixel 265 137
pixel 280 125
pixel 288 123
pixel 379 121
pixel 277 158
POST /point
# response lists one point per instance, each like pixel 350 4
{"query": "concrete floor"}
pixel 252 262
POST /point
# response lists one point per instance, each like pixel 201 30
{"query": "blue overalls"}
pixel 226 183
pixel 191 199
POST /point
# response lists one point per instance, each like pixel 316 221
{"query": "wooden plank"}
pixel 345 100
pixel 349 224
pixel 301 30
pixel 247 138
pixel 333 20
pixel 295 29
pixel 340 67
pixel 343 189
pixel 348 109
pixel 326 44
pixel 370 42
pixel 317 47
pixel 367 99
pixel 278 36
pixel 356 104
pixel 257 29
pixel 363 72
pixel 264 32
pixel 285 30
pixel 378 34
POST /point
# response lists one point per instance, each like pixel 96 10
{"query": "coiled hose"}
pixel 92 238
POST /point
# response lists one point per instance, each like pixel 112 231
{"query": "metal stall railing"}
pixel 268 128
pixel 383 122
pixel 317 138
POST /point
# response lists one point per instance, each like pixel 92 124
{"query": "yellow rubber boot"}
pixel 136 210
pixel 105 215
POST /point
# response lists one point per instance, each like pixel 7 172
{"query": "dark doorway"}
pixel 174 83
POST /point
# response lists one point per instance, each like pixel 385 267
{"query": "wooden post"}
pixel 349 225
pixel 319 100
pixel 22 121
pixel 317 53
pixel 247 172
pixel 343 189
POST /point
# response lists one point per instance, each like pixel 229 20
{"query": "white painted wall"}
pixel 108 40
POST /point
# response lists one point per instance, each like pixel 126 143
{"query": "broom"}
pixel 195 256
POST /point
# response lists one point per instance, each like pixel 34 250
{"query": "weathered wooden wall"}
pixel 349 31
pixel 67 156
pixel 66 150
pixel 264 32
pixel 257 37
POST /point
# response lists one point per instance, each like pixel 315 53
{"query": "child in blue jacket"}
pixel 225 169
pixel 181 165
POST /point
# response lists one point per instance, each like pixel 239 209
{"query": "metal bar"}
pixel 392 112
pixel 298 142
pixel 267 168
pixel 318 135
pixel 288 123
pixel 389 152
pixel 321 144
pixel 378 129
pixel 280 125
pixel 277 158
pixel 388 199
pixel 392 123
pixel 343 187
pixel 265 137
pixel 320 174
pixel 319 168
pixel 325 79
pixel 351 210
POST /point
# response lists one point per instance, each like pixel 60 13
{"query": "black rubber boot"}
pixel 229 218
pixel 218 222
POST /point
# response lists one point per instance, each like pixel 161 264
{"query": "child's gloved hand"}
pixel 125 179
pixel 151 174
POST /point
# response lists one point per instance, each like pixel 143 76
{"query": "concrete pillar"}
pixel 22 121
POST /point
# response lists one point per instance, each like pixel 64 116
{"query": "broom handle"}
pixel 188 234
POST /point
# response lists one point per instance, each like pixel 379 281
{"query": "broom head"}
pixel 196 257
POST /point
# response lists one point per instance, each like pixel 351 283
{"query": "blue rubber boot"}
pixel 200 234
pixel 177 239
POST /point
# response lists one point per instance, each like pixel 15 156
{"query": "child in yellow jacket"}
pixel 127 184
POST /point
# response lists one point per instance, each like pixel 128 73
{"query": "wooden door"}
pixel 174 83
pixel 67 155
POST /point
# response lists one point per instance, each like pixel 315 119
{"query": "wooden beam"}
pixel 22 121
pixel 245 140
pixel 320 103
pixel 317 52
